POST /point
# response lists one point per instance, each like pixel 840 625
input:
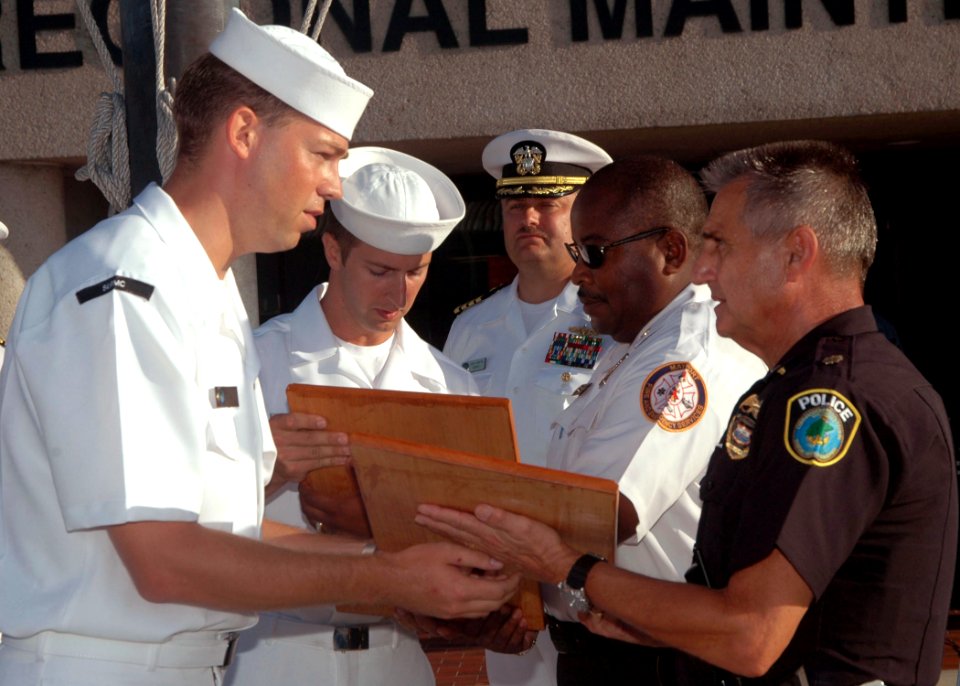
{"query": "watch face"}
pixel 580 605
pixel 576 599
pixel 573 586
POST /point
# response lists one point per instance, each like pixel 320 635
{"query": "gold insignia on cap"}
pixel 565 377
pixel 528 159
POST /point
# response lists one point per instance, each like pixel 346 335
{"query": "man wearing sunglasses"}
pixel 826 549
pixel 659 397
pixel 530 341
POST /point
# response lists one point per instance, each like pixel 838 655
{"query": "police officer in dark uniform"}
pixel 827 543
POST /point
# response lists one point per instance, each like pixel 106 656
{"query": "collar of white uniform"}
pixel 195 266
pixel 689 294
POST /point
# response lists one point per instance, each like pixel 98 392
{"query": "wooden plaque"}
pixel 396 476
pixel 458 422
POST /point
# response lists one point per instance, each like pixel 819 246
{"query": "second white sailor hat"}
pixel 540 162
pixel 396 202
pixel 293 67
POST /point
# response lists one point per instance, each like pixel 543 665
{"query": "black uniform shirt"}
pixel 841 457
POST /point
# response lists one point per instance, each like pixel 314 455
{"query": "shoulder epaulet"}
pixel 479 299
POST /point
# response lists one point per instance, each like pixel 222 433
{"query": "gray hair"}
pixel 804 182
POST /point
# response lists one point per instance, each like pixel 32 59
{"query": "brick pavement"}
pixel 457 666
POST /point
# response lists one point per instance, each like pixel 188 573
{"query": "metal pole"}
pixel 190 27
pixel 139 77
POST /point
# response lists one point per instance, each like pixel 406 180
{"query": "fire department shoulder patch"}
pixel 820 426
pixel 674 396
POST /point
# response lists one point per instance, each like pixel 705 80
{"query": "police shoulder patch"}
pixel 820 426
pixel 674 396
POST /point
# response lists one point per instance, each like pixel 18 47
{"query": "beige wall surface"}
pixel 891 74
pixel 702 77
pixel 31 205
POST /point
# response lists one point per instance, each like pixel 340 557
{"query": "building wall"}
pixel 724 68
pixel 686 78
pixel 32 206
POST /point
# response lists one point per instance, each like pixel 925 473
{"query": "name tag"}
pixel 477 365
pixel 224 396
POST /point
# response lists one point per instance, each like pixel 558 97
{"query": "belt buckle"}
pixel 351 638
pixel 231 648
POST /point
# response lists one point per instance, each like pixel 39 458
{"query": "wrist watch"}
pixel 572 586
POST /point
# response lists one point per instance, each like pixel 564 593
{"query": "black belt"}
pixel 574 637
pixel 585 657
pixel 351 638
pixel 570 637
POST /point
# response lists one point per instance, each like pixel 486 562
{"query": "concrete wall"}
pixel 32 207
pixel 703 77
pixel 875 71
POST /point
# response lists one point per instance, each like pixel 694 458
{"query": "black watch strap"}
pixel 577 578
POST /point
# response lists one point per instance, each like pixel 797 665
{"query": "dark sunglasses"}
pixel 593 255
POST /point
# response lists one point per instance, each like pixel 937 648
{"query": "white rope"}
pixel 166 126
pixel 108 159
pixel 308 15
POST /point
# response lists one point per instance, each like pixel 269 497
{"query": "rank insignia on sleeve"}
pixel 674 396
pixel 740 429
pixel 820 426
pixel 574 350
pixel 115 283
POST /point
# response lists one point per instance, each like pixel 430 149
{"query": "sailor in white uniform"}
pixel 134 444
pixel 351 332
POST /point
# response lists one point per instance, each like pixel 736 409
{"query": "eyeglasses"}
pixel 593 255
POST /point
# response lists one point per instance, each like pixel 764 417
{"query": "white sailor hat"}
pixel 293 67
pixel 538 162
pixel 4 231
pixel 396 202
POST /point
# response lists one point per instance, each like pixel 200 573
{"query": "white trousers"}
pixel 23 668
pixel 538 667
pixel 273 653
